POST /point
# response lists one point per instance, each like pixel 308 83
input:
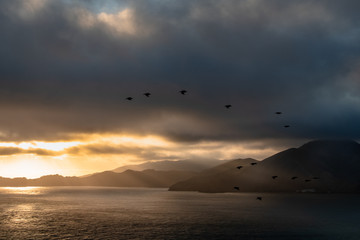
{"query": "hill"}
pixel 180 165
pixel 129 178
pixel 320 166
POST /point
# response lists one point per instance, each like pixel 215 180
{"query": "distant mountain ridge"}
pixel 317 166
pixel 179 165
pixel 150 174
pixel 129 178
pixel 321 166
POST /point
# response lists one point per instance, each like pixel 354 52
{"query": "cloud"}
pixel 122 22
pixel 135 148
pixel 6 151
pixel 66 68
pixel 139 153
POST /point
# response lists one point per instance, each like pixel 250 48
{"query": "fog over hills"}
pixel 181 165
pixel 317 166
pixel 321 166
pixel 129 178
pixel 150 174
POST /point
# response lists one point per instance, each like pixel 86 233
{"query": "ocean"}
pixel 144 213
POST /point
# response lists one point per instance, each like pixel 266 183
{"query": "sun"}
pixel 33 159
pixel 27 166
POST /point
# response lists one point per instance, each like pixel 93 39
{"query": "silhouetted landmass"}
pixel 181 165
pixel 332 166
pixel 318 166
pixel 129 178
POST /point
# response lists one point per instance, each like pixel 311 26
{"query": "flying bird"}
pixel 183 92
pixel 307 180
pixel 278 113
pixel 253 163
pixel 259 198
pixel 293 178
pixel 286 126
pixel 274 177
pixel 237 188
pixel 228 106
pixel 239 167
pixel 316 178
pixel 147 94
pixel 129 98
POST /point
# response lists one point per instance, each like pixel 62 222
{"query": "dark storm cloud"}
pixel 65 68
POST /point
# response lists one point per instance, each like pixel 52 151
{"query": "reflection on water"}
pixel 135 213
pixel 20 214
pixel 21 190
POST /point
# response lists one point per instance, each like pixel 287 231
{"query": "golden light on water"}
pixel 22 190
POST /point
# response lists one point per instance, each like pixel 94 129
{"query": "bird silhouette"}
pixel 307 180
pixel 286 126
pixel 259 198
pixel 147 94
pixel 239 167
pixel 316 178
pixel 274 177
pixel 237 188
pixel 253 163
pixel 183 92
pixel 278 113
pixel 129 98
pixel 293 178
pixel 228 106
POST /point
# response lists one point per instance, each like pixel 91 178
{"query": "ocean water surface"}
pixel 143 213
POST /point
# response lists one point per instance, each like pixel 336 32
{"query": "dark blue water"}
pixel 133 213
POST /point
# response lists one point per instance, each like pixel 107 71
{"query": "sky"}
pixel 67 67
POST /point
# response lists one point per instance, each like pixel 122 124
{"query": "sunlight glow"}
pixel 89 153
pixel 124 139
pixel 74 157
pixel 23 190
pixel 52 146
pixel 29 166
pixel 144 141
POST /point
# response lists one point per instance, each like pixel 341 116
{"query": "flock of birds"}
pixel 147 94
pixel 184 92
pixel 228 106
pixel 273 177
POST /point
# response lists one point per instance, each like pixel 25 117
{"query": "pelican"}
pixel 183 92
pixel 129 98
pixel 237 188
pixel 274 177
pixel 228 106
pixel 239 167
pixel 147 94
